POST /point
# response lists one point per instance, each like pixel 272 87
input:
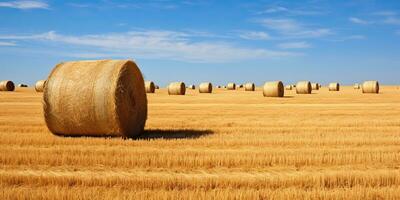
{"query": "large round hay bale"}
pixel 150 86
pixel 249 87
pixel 370 87
pixel 231 86
pixel 303 87
pixel 288 87
pixel 39 86
pixel 356 86
pixel 192 87
pixel 95 98
pixel 7 85
pixel 314 86
pixel 205 87
pixel 177 88
pixel 334 87
pixel 273 89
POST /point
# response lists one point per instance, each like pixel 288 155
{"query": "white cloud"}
pixel 25 5
pixel 385 13
pixel 351 37
pixel 358 21
pixel 275 9
pixel 294 45
pixel 293 28
pixel 7 43
pixel 153 45
pixel 254 35
pixel 287 11
pixel 392 21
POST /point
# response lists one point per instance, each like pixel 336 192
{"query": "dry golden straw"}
pixel 231 86
pixel 205 87
pixel 334 87
pixel 249 87
pixel 303 87
pixel 288 87
pixel 273 89
pixel 7 86
pixel 314 86
pixel 177 88
pixel 370 87
pixel 95 98
pixel 150 86
pixel 39 86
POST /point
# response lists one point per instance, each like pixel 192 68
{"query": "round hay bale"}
pixel 288 87
pixel 218 86
pixel 314 86
pixel 334 87
pixel 7 86
pixel 303 87
pixel 39 86
pixel 240 86
pixel 157 87
pixel 231 86
pixel 192 87
pixel 150 86
pixel 249 87
pixel 356 86
pixel 273 89
pixel 95 98
pixel 205 87
pixel 22 85
pixel 177 88
pixel 370 87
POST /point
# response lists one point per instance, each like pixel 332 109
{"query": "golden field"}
pixel 225 145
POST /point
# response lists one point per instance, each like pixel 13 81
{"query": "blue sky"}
pixel 219 41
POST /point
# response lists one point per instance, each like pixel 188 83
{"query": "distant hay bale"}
pixel 22 85
pixel 192 87
pixel 303 87
pixel 218 86
pixel 240 86
pixel 370 87
pixel 293 86
pixel 314 86
pixel 39 86
pixel 288 87
pixel 95 98
pixel 7 85
pixel 205 87
pixel 334 87
pixel 157 87
pixel 150 86
pixel 273 89
pixel 249 87
pixel 231 86
pixel 356 86
pixel 177 88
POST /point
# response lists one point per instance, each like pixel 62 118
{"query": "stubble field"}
pixel 225 145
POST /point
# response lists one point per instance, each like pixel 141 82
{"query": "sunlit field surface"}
pixel 229 144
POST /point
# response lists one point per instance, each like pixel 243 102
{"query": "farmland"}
pixel 229 144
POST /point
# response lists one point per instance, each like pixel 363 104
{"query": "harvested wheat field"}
pixel 232 144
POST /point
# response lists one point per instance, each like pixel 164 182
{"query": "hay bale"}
pixel 370 87
pixel 150 86
pixel 95 98
pixel 249 87
pixel 273 89
pixel 356 86
pixel 288 87
pixel 39 86
pixel 240 86
pixel 22 85
pixel 177 88
pixel 334 87
pixel 157 87
pixel 192 87
pixel 231 86
pixel 314 86
pixel 7 85
pixel 303 87
pixel 218 86
pixel 205 87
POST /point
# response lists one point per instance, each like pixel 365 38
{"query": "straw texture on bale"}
pixel 273 89
pixel 95 98
pixel 7 86
pixel 150 86
pixel 288 87
pixel 334 87
pixel 314 86
pixel 356 86
pixel 177 88
pixel 39 86
pixel 231 86
pixel 205 88
pixel 249 87
pixel 370 87
pixel 303 87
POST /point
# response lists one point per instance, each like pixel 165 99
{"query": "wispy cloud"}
pixel 25 5
pixel 254 35
pixel 288 11
pixel 392 21
pixel 359 21
pixel 294 45
pixel 385 13
pixel 351 37
pixel 7 43
pixel 292 28
pixel 154 45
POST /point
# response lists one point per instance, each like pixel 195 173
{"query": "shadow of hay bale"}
pixel 174 134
